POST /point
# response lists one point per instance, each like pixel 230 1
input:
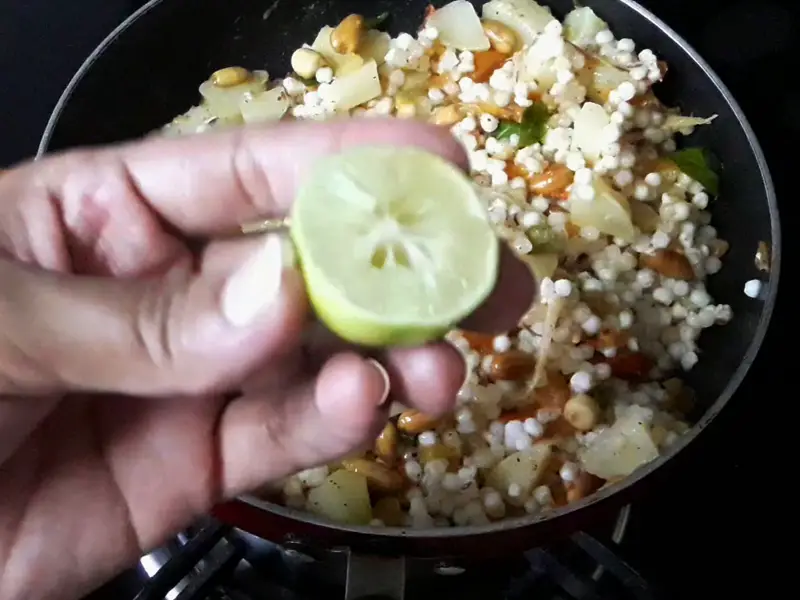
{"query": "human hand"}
pixel 125 345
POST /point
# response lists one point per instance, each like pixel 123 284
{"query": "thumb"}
pixel 191 331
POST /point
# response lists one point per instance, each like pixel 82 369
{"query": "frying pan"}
pixel 148 70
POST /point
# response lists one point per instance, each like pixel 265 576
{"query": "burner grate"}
pixel 560 573
pixel 217 564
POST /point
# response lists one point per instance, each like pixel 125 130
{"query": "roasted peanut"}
pixel 644 216
pixel 386 444
pixel 435 53
pixel 631 366
pixel 554 394
pixel 380 477
pixel 552 181
pixel 546 402
pixel 445 115
pixel 336 465
pixel 501 37
pixel 762 260
pixel 719 248
pixel 513 365
pixel 582 412
pixel 487 63
pixel 608 339
pixel 514 170
pixel 519 414
pixel 572 230
pixel 659 435
pixel 504 113
pixel 558 429
pixel 346 36
pixel 552 480
pixel 306 62
pixel 647 100
pixel 414 422
pixel 230 76
pixel 482 343
pixel 390 511
pixel 584 485
pixel 669 263
pixel 405 106
pixel 600 304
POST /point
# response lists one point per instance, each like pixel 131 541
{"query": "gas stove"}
pixel 215 562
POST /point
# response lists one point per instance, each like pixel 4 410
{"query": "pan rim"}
pixel 722 399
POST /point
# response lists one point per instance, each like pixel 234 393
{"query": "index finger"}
pixel 206 184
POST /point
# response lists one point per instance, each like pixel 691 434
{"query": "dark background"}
pixel 722 522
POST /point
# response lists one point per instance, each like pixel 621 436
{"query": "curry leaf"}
pixel 507 129
pixel 531 129
pixel 694 162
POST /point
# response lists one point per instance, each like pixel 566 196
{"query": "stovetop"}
pixel 214 562
pixel 711 527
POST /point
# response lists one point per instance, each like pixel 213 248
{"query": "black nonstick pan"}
pixel 148 70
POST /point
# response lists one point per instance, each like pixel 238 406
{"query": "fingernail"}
pixel 255 286
pixel 386 382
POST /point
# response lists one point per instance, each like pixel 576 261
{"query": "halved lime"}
pixel 394 244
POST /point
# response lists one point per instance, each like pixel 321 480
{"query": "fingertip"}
pixel 384 375
pixel 350 390
pixel 427 378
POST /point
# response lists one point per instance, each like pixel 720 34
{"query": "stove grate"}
pixel 213 565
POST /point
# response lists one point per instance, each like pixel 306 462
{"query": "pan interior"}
pixel 148 71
